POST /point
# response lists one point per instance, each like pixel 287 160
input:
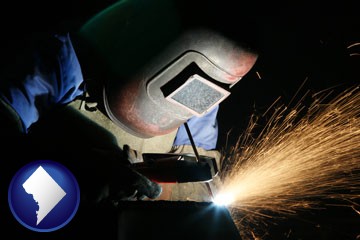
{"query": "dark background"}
pixel 295 41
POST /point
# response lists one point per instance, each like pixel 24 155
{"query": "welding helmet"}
pixel 163 72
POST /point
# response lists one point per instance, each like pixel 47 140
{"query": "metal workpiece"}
pixel 176 168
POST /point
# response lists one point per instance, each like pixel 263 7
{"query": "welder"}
pixel 148 72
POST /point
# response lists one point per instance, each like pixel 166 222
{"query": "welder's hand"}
pixel 132 155
pixel 117 181
pixel 128 184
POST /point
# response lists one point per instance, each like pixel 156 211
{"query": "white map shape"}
pixel 46 192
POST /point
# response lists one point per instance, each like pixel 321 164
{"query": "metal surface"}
pixel 176 168
pixel 175 220
pixel 133 220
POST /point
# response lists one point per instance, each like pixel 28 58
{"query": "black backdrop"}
pixel 295 41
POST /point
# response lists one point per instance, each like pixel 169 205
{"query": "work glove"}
pixel 116 181
pixel 128 184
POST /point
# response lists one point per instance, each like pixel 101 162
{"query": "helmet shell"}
pixel 151 57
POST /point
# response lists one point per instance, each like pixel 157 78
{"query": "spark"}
pixel 353 45
pixel 354 54
pixel 258 74
pixel 300 157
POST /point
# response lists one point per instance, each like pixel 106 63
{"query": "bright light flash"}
pixel 301 156
pixel 224 199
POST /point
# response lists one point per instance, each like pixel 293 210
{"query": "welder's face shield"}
pixel 194 75
pixel 164 77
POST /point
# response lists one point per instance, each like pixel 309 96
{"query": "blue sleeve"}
pixel 204 131
pixel 49 75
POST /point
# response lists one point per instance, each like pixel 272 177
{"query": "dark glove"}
pixel 128 184
pixel 114 180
